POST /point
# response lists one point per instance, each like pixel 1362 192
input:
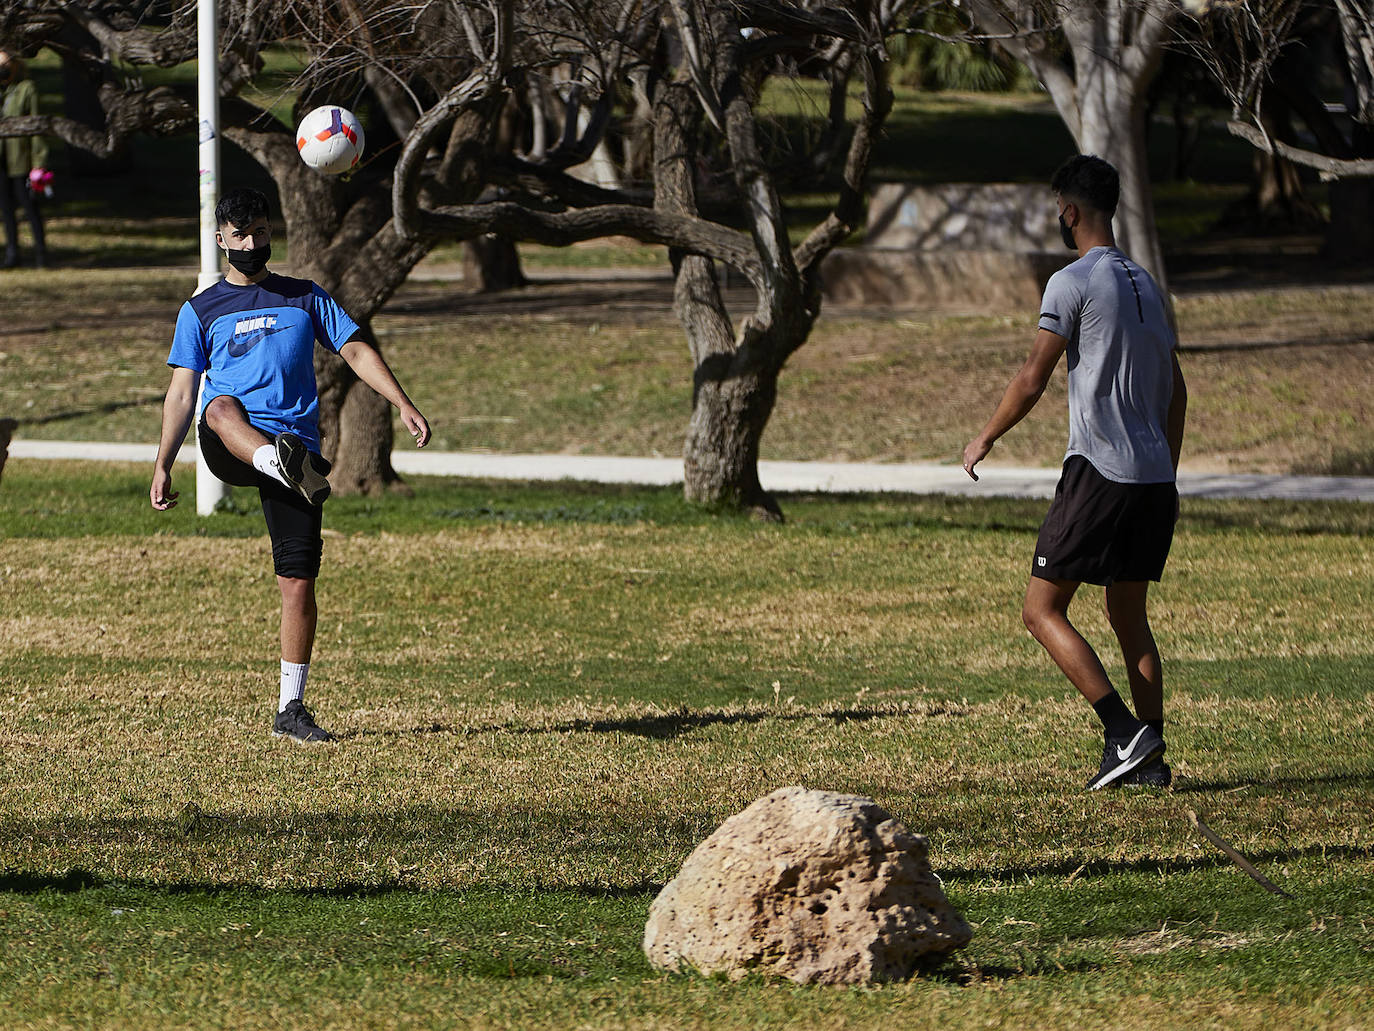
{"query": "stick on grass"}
pixel 1245 864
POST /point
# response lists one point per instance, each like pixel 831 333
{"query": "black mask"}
pixel 250 262
pixel 1066 234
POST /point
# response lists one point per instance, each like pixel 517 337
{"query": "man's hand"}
pixel 161 494
pixel 976 451
pixel 416 424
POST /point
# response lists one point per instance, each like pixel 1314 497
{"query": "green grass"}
pixel 547 695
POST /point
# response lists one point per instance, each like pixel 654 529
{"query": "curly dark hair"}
pixel 1087 179
pixel 241 207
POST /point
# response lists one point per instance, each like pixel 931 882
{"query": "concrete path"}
pixel 835 477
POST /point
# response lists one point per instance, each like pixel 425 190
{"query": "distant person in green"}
pixel 1112 519
pixel 23 156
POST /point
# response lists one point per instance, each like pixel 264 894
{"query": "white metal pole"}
pixel 209 490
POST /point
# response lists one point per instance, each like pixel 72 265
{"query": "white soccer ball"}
pixel 330 139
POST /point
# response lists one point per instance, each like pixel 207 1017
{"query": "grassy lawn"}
pixel 546 696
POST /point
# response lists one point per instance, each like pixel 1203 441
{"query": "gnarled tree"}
pixel 703 68
pixel 443 73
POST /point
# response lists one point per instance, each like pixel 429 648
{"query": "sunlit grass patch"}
pixel 546 695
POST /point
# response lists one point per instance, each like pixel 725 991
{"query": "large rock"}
pixel 808 885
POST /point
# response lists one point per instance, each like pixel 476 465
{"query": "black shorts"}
pixel 292 522
pixel 1099 531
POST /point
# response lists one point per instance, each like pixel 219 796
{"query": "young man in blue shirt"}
pixel 252 336
pixel 1112 518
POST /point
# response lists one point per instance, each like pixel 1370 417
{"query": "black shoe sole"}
pixel 303 740
pixel 298 466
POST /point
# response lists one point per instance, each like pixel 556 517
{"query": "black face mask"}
pixel 250 262
pixel 1066 234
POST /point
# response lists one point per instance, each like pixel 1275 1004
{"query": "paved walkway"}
pixel 836 477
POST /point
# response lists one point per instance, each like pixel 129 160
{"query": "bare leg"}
pixel 298 618
pixel 1126 611
pixel 1045 613
pixel 225 415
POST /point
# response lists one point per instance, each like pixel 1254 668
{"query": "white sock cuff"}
pixel 293 676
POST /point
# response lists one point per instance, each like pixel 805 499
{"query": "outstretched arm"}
pixel 1020 397
pixel 373 370
pixel 177 410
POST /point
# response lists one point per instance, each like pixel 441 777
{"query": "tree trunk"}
pixel 732 394
pixel 491 263
pixel 732 399
pixel 355 426
pixel 1113 128
pixel 1350 234
pixel 721 453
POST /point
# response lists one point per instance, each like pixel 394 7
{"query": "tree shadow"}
pixel 1198 787
pixel 1295 343
pixel 1089 868
pixel 108 408
pixel 658 726
pixel 74 881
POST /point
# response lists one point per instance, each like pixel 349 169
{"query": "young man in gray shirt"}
pixel 1112 519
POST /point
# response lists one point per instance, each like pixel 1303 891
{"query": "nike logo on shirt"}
pixel 248 333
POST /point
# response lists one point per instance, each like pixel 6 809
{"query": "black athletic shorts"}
pixel 1099 531
pixel 292 522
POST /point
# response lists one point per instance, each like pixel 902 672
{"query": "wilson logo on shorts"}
pixel 1040 561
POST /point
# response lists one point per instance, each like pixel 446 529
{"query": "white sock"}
pixel 292 682
pixel 265 462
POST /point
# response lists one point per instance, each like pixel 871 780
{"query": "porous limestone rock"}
pixel 809 885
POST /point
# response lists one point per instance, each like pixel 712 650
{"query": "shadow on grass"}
pixel 1198 787
pixel 658 727
pixel 70 882
pixel 108 408
pixel 1350 340
pixel 1077 869
pixel 1306 518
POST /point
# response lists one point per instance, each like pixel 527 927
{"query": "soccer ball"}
pixel 330 139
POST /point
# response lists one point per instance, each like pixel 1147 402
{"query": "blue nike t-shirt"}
pixel 257 343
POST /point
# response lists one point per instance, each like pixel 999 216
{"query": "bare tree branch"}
pixel 558 229
pixel 1331 166
pixel 159 111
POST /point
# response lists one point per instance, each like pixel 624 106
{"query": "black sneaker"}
pixel 296 723
pixel 1152 774
pixel 1121 755
pixel 303 469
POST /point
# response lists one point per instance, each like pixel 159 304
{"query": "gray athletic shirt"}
pixel 1120 369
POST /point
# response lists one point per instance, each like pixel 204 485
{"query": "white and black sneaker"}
pixel 1122 755
pixel 296 723
pixel 304 470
